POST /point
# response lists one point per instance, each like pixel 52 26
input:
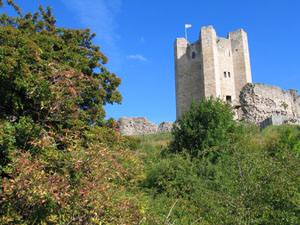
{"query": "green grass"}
pixel 152 145
pixel 276 129
pixel 159 139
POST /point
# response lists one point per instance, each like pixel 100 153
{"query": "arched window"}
pixel 193 55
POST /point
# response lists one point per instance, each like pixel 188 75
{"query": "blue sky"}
pixel 137 36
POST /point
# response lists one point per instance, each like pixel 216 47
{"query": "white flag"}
pixel 188 25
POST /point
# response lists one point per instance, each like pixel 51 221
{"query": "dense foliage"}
pixel 257 182
pixel 48 76
pixel 48 73
pixel 56 168
pixel 254 180
pixel 207 124
pixel 86 182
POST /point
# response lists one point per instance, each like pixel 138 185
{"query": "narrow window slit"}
pixel 228 98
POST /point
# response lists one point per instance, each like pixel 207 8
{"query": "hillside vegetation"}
pixel 218 171
pixel 255 181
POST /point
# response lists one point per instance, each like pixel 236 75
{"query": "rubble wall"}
pixel 140 125
pixel 260 101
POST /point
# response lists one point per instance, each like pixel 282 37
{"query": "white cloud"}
pixel 138 57
pixel 100 16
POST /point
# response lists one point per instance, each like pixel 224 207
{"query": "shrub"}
pixel 208 123
pixel 88 182
pixel 175 175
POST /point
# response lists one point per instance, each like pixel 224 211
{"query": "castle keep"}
pixel 220 67
pixel 212 66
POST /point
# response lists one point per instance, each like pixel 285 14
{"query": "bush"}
pixel 88 182
pixel 287 138
pixel 208 123
pixel 175 175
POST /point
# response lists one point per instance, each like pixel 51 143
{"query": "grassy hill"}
pixel 255 181
pixel 161 139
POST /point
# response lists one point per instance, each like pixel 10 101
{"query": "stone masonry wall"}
pixel 189 85
pixel 211 66
pixel 140 125
pixel 260 101
pixel 278 120
pixel 226 69
pixel 260 104
pixel 241 59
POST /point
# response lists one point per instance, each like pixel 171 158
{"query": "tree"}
pixel 208 123
pixel 49 73
pixel 61 163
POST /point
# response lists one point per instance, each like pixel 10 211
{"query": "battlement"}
pixel 211 66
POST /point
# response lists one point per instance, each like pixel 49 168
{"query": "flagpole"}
pixel 186 26
pixel 185 34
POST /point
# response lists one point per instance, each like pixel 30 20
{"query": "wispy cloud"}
pixel 138 57
pixel 100 16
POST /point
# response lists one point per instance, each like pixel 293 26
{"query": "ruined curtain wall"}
pixel 260 101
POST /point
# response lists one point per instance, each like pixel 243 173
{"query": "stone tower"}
pixel 212 66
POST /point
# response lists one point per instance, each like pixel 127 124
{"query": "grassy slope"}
pixel 161 139
pixel 153 144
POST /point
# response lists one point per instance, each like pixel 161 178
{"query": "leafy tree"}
pixel 48 75
pixel 56 168
pixel 208 123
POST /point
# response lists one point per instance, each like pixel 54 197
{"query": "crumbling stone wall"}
pixel 260 101
pixel 140 125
